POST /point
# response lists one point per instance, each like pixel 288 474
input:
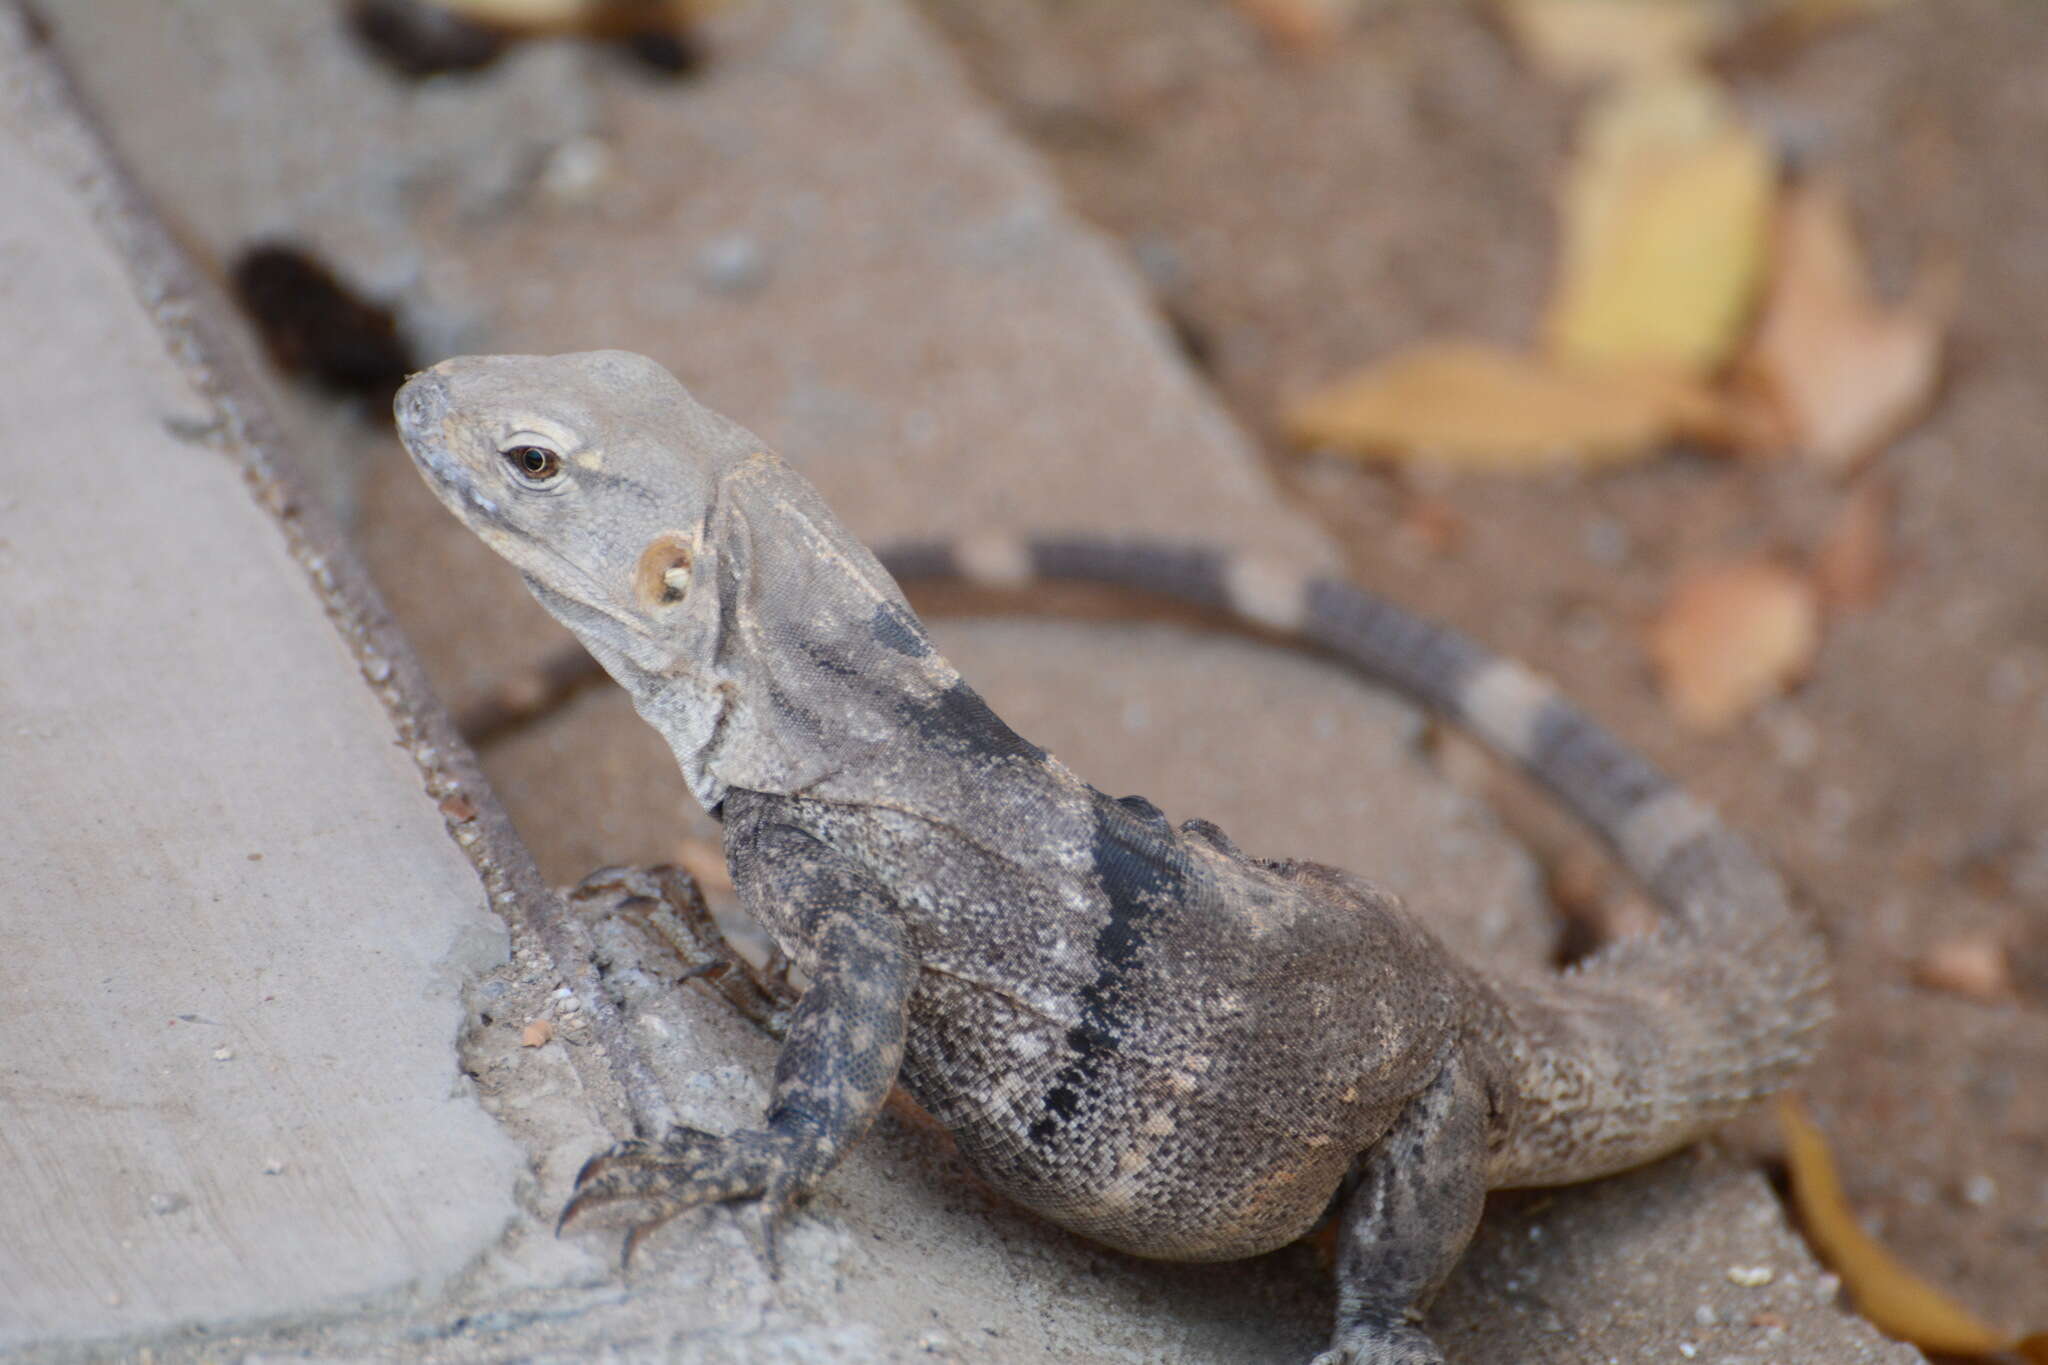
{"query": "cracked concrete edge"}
pixel 193 322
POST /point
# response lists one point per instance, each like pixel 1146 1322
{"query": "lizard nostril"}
pixel 421 402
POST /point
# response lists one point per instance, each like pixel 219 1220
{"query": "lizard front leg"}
pixel 841 1056
pixel 1403 1226
pixel 671 932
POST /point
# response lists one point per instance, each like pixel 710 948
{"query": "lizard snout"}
pixel 419 407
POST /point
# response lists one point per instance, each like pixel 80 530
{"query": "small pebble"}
pixel 577 171
pixel 2012 677
pixel 1834 808
pixel 1751 1276
pixel 1687 1349
pixel 1974 965
pixel 223 1054
pixel 1792 736
pixel 1160 262
pixel 733 264
pixel 1606 542
pixel 273 1167
pixel 162 1204
pixel 1979 1190
pixel 1586 631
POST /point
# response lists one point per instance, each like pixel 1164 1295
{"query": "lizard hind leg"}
pixel 1405 1222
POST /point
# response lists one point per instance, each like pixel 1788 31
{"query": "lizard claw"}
pixel 686 1169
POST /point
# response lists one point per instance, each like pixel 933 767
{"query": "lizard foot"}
pixel 667 912
pixel 685 1170
pixel 1381 1345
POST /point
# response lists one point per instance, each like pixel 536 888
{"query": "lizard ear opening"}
pixel 663 574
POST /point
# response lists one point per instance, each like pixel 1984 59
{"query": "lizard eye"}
pixel 534 464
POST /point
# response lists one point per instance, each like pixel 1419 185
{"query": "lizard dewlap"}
pixel 1136 1029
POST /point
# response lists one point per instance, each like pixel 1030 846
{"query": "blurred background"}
pixel 1690 350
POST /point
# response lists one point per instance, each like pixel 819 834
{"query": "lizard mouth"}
pixel 421 409
pixel 419 406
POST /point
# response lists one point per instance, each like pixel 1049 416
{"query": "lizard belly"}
pixel 1157 1156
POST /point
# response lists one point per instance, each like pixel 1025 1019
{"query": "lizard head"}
pixel 592 473
pixel 706 576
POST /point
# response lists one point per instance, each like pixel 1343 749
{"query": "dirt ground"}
pixel 1301 214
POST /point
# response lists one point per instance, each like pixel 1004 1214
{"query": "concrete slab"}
pixel 235 927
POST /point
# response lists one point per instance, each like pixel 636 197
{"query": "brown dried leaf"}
pixel 1852 564
pixel 1483 407
pixel 532 15
pixel 1974 965
pixel 1666 220
pixel 1731 636
pixel 1303 25
pixel 1897 1300
pixel 1790 21
pixel 1844 372
pixel 1576 41
pixel 537 1033
pixel 579 16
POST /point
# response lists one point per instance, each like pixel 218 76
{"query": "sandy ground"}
pixel 1300 216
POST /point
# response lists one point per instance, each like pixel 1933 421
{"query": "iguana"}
pixel 1142 1032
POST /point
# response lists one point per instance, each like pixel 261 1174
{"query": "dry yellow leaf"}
pixel 1843 372
pixel 571 16
pixel 1666 219
pixel 525 14
pixel 1901 1303
pixel 1732 635
pixel 1587 40
pixel 1484 407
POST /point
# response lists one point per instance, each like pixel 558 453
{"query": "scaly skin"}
pixel 1139 1031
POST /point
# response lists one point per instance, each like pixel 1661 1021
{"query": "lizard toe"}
pixel 1395 1344
pixel 688 1169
